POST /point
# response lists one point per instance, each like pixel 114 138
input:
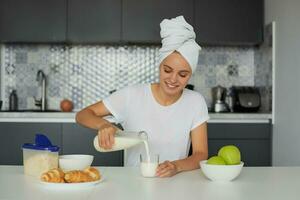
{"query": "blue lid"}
pixel 41 143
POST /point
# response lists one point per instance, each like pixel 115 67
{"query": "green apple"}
pixel 216 160
pixel 231 154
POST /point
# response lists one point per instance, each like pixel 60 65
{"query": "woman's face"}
pixel 175 73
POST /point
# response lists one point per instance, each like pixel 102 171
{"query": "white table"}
pixel 282 183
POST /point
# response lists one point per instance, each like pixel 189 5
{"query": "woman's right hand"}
pixel 106 136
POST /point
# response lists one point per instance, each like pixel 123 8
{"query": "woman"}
pixel 170 114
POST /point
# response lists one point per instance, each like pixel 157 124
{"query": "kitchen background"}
pixel 88 73
pixel 221 23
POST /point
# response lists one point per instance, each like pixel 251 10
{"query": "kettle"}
pixel 218 97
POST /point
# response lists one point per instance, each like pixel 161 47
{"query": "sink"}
pixel 31 110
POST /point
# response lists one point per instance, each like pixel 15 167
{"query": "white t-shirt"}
pixel 168 127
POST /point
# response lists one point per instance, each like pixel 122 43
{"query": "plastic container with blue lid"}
pixel 39 157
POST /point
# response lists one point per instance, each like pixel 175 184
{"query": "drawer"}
pixel 239 131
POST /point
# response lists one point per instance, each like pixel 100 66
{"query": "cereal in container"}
pixel 39 157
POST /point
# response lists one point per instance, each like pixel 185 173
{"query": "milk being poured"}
pixel 147 150
pixel 149 163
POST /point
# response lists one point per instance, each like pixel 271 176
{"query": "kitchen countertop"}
pixel 69 117
pixel 124 183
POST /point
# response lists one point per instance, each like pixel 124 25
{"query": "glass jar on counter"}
pixel 39 157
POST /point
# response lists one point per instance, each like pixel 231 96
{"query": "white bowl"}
pixel 221 172
pixel 75 162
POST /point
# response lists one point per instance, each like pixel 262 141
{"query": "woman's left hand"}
pixel 166 169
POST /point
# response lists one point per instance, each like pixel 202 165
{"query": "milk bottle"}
pixel 124 140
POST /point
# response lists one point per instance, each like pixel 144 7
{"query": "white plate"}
pixel 70 185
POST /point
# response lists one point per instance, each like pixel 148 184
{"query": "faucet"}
pixel 41 78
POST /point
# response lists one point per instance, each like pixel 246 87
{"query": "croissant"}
pixel 77 176
pixel 93 173
pixel 54 176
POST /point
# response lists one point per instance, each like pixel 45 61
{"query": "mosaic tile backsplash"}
pixel 263 63
pixel 85 74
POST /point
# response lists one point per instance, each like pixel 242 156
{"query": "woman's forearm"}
pixel 89 119
pixel 190 163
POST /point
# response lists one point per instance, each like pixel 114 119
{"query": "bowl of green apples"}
pixel 226 166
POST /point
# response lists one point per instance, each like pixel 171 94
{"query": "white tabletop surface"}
pixel 126 183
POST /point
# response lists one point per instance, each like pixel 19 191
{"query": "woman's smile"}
pixel 171 86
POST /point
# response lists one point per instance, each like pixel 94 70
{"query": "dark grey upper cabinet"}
pixel 32 20
pixel 94 21
pixel 141 18
pixel 216 22
pixel 230 22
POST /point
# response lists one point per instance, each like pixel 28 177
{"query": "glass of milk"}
pixel 148 164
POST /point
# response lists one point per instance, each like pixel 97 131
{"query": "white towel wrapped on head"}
pixel 178 35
